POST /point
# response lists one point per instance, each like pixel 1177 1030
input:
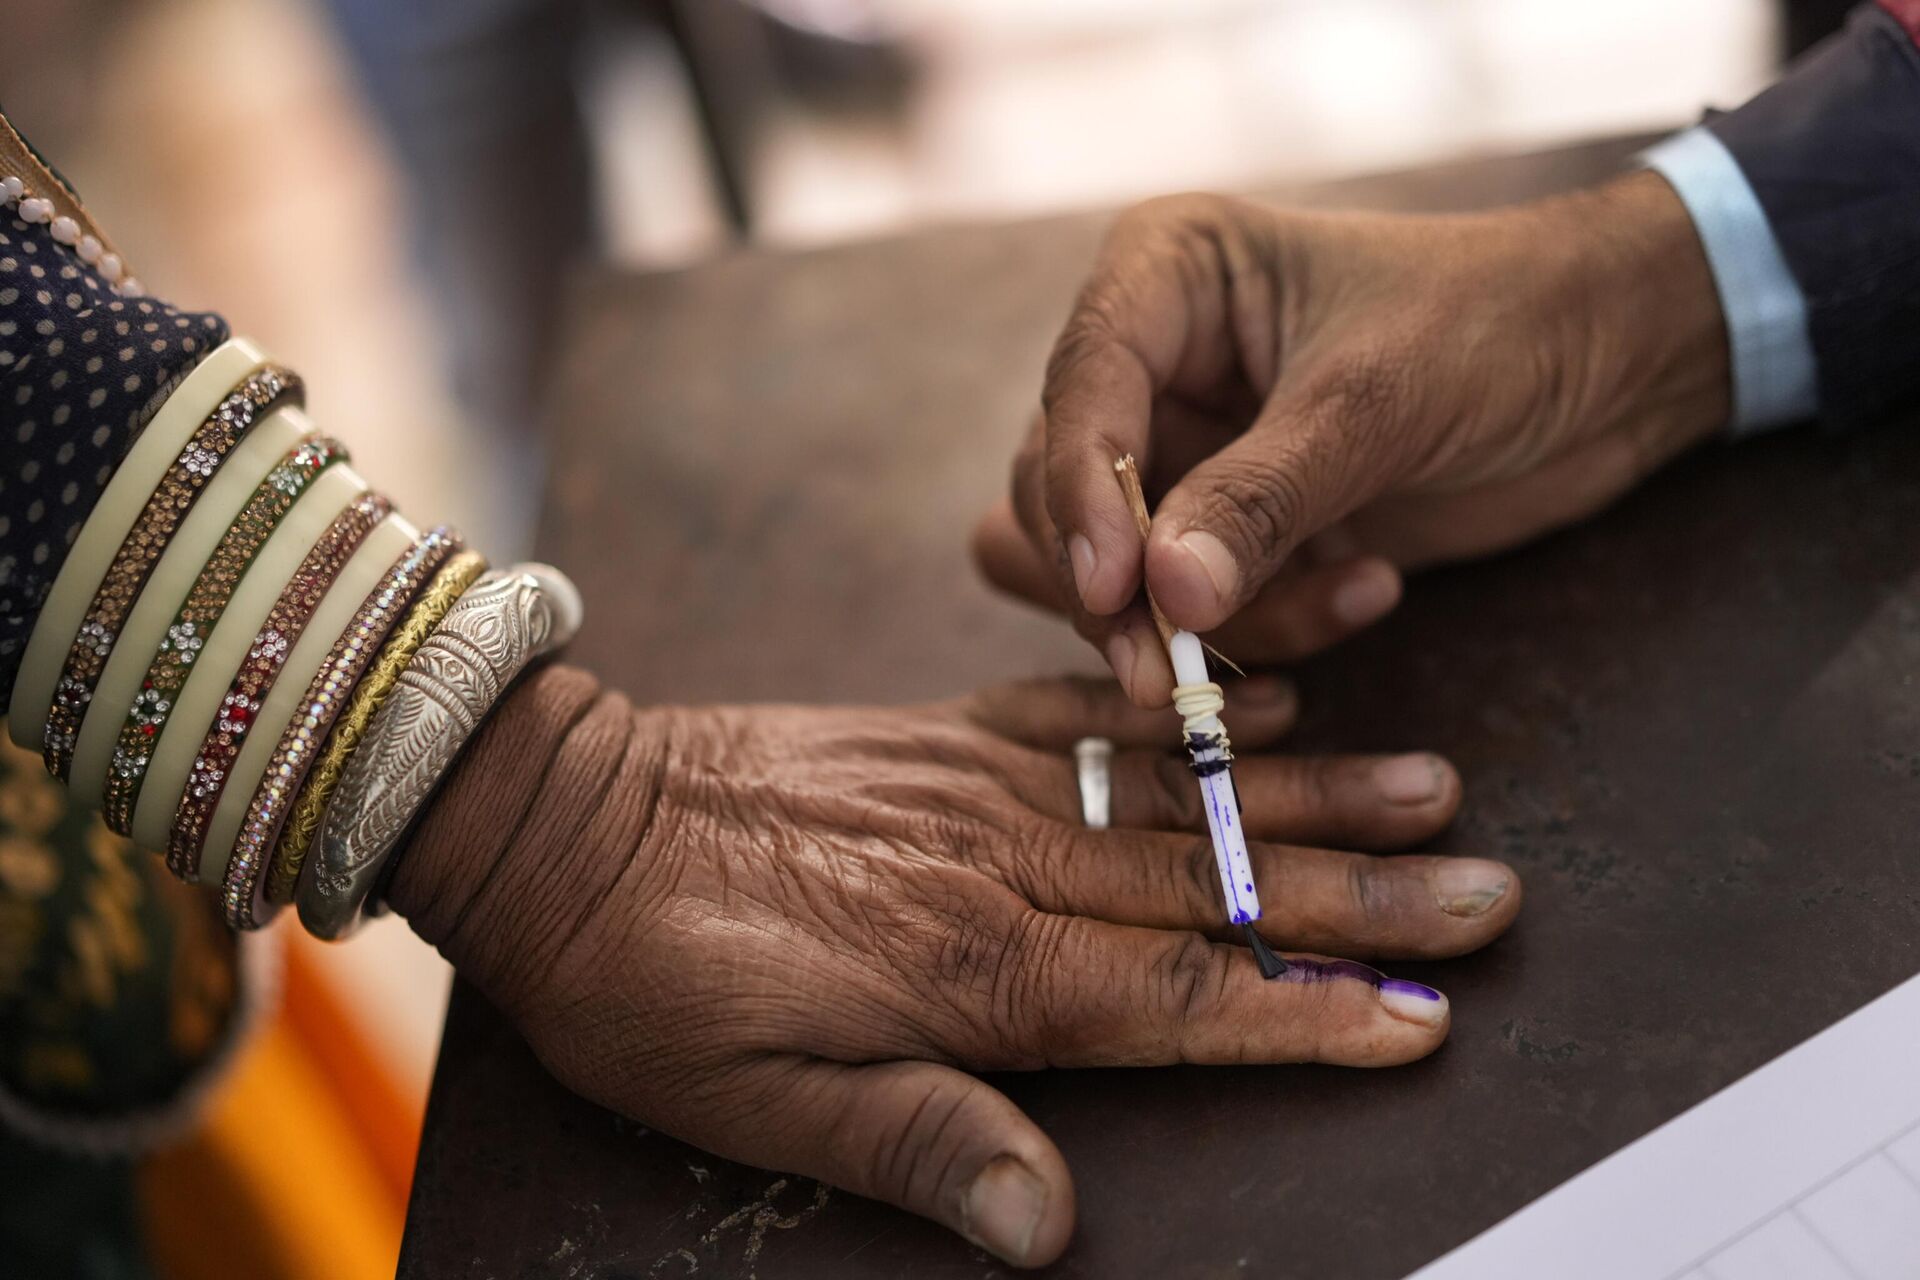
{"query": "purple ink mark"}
pixel 1299 970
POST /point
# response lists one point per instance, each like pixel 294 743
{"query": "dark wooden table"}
pixel 1693 725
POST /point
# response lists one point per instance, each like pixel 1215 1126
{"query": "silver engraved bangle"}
pixel 503 623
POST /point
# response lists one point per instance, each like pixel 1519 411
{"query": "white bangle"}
pixel 186 554
pixel 198 701
pixel 107 526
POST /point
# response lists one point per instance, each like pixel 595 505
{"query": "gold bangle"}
pixel 303 822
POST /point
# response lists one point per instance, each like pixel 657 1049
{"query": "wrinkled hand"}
pixel 787 933
pixel 1326 399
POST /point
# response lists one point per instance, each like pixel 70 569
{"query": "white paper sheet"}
pixel 1808 1169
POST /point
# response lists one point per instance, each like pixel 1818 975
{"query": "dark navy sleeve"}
pixel 82 370
pixel 1833 153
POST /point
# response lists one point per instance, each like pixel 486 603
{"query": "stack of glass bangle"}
pixel 253 663
pixel 248 659
pixel 256 664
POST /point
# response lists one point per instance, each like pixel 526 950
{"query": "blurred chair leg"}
pixel 722 47
pixel 478 99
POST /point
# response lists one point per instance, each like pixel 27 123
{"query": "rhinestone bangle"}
pixel 206 602
pixel 268 836
pixel 263 391
pixel 284 624
pixel 421 618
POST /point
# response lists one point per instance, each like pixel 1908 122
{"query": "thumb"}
pixel 935 1141
pixel 1223 531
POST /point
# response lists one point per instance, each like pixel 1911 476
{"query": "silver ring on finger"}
pixel 1093 762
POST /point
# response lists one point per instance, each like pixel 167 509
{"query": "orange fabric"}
pixel 301 1169
pixel 386 1119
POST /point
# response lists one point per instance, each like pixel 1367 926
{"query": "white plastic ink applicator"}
pixel 1209 753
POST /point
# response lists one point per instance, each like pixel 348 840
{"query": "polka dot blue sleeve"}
pixel 82 370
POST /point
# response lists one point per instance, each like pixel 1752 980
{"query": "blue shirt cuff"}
pixel 1774 379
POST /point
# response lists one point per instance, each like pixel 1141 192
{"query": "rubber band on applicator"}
pixel 1200 706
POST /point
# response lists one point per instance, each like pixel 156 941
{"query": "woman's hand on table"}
pixel 1325 400
pixel 787 933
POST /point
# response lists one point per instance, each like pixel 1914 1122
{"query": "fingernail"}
pixel 1366 596
pixel 1003 1208
pixel 1121 656
pixel 1218 563
pixel 1085 561
pixel 1412 1002
pixel 1264 691
pixel 1414 779
pixel 1468 886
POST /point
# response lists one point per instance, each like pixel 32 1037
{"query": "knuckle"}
pixel 1097 320
pixel 1189 981
pixel 1364 399
pixel 1053 863
pixel 1369 891
pixel 1364 385
pixel 1256 503
pixel 1330 1021
pixel 965 956
pixel 1171 790
pixel 1200 877
pixel 1018 1018
pixel 1318 784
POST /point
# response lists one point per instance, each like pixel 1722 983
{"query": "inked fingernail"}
pixel 1085 560
pixel 1414 779
pixel 1367 596
pixel 1003 1208
pixel 1222 570
pixel 1121 656
pixel 1413 1002
pixel 1468 886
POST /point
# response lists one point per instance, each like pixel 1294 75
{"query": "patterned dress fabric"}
pixel 82 371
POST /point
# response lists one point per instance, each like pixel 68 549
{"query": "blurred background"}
pixel 392 195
